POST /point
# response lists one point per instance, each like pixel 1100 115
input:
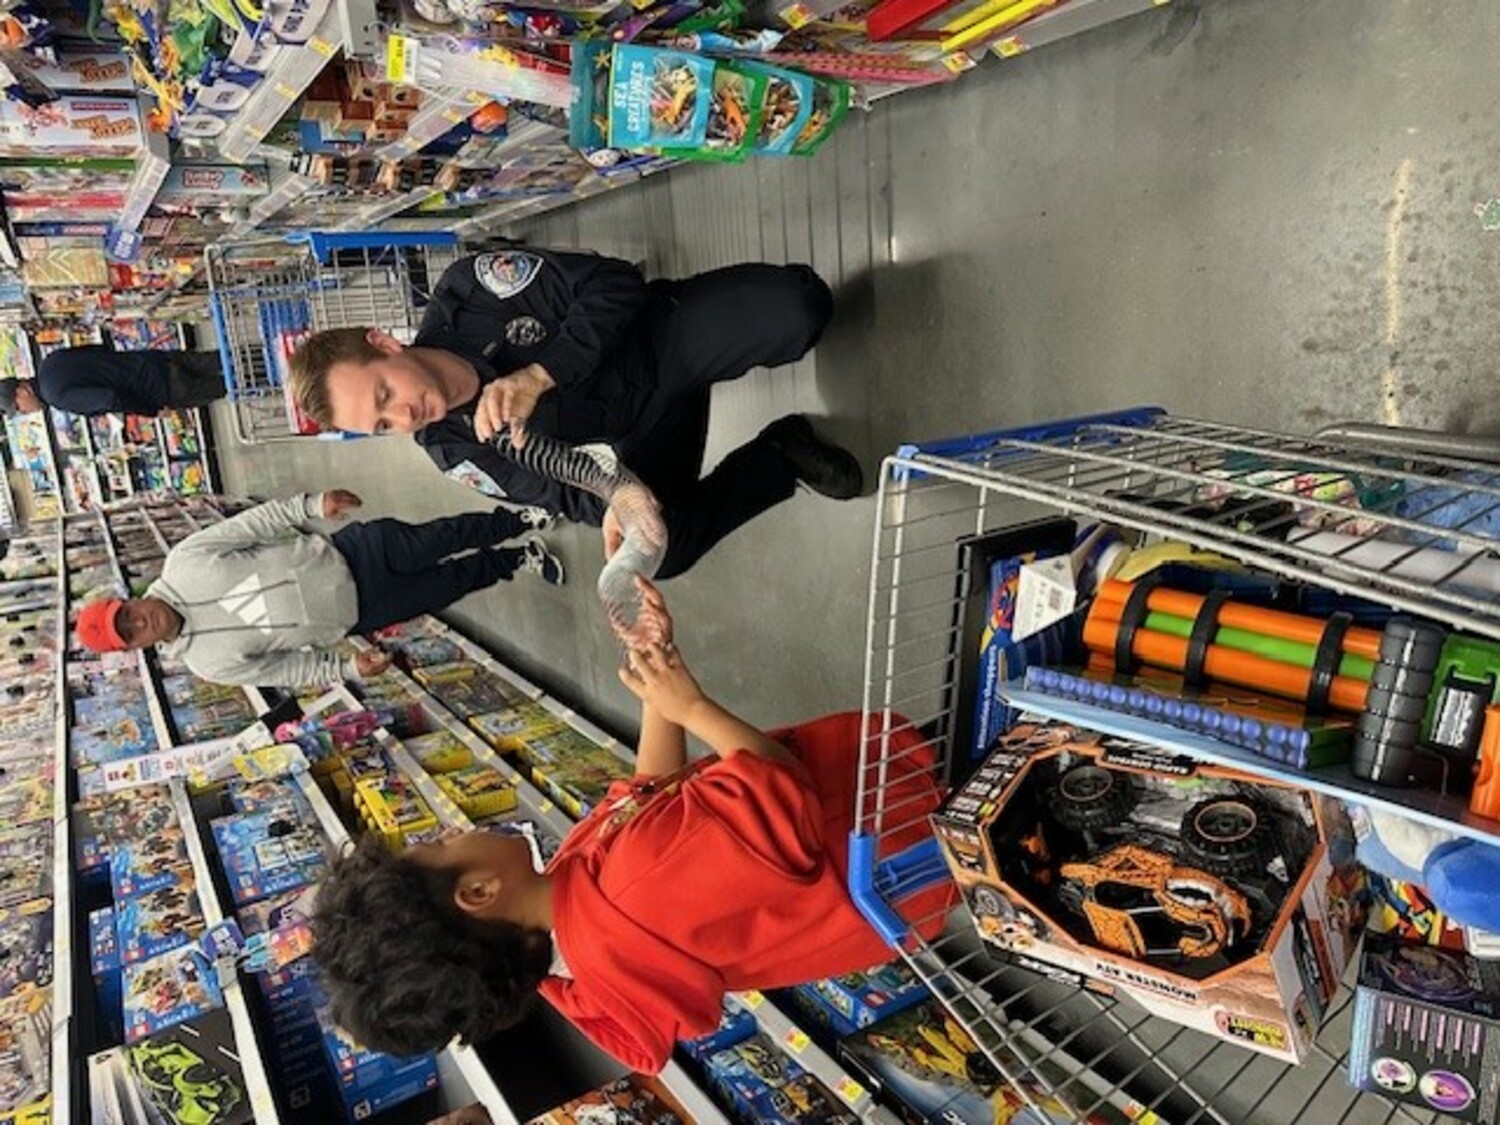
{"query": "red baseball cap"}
pixel 96 626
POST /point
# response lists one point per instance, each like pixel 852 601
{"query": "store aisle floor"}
pixel 1257 211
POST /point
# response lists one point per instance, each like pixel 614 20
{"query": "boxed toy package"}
pixel 467 689
pixel 25 863
pixel 368 1082
pixel 510 729
pixel 26 939
pixel 190 1074
pixel 25 1057
pixel 1216 900
pixel 1427 1028
pixel 637 1098
pixel 166 990
pixel 857 1000
pixel 148 865
pixel 479 791
pixel 131 814
pixel 763 1086
pixel 267 853
pixel 736 1025
pixel 929 1071
pixel 392 807
pixel 581 780
pixel 439 752
pixel 158 921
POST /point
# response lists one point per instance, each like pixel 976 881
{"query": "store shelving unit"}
pixel 62 866
pixel 291 73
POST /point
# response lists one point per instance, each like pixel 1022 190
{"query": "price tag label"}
pixel 546 807
pixel 797 16
pixel 958 63
pixel 453 117
pixel 1009 48
pixel 752 999
pixel 322 46
pixel 285 92
pixel 401 59
pixel 850 1090
pixel 796 1041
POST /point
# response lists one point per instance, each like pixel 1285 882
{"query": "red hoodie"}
pixel 729 876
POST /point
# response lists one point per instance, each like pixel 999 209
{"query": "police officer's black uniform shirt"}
pixel 96 379
pixel 578 315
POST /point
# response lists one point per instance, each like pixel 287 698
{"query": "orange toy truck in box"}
pixel 1216 900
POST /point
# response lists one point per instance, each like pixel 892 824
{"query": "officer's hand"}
pixel 509 401
pixel 371 662
pixel 654 621
pixel 337 501
pixel 474 1114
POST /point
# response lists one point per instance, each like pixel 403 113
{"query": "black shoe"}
pixel 824 467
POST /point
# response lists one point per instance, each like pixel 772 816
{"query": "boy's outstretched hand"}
pixel 657 677
pixel 337 501
pixel 654 621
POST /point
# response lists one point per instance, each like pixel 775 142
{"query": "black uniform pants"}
pixel 403 570
pixel 705 330
pixel 193 378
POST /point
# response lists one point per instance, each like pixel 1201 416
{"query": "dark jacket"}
pixel 583 318
pixel 99 380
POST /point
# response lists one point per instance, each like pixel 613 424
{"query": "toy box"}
pixel 166 990
pixel 26 938
pixel 148 865
pixel 25 863
pixel 420 652
pixel 734 1028
pixel 857 1000
pixel 265 854
pixel 190 1073
pixel 479 790
pixel 1218 901
pixel 1427 1028
pixel 131 814
pixel 26 1061
pixel 466 689
pixel 580 782
pixel 635 1098
pixel 392 807
pixel 439 752
pixel 158 921
pixel 929 1071
pixel 270 795
pixel 659 99
pixel 278 911
pixel 510 729
pixel 763 1086
pixel 369 1082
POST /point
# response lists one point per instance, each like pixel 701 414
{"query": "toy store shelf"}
pixel 262 1103
pixel 701 1108
pixel 1072 18
pixel 782 1030
pixel 153 697
pixel 150 170
pixel 290 75
pixel 441 111
pixel 458 1066
pixel 291 187
pixel 161 540
pixel 1428 807
pixel 62 867
pixel 481 657
pixel 513 210
pixel 384 208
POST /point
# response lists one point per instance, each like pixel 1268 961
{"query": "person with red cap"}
pixel 262 598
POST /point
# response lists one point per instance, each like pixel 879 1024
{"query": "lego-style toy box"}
pixel 1219 901
pixel 1427 1028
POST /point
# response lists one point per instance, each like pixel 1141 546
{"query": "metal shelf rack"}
pixel 1208 485
pixel 62 863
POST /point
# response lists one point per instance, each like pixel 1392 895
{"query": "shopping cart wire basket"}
pixel 1425 524
pixel 268 295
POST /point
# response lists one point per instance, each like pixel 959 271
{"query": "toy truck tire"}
pixel 1088 797
pixel 1228 836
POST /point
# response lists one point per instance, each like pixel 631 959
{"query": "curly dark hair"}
pixel 405 970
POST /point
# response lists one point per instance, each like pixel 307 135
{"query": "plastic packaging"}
pixel 596 469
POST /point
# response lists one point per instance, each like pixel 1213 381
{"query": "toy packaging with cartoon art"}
pixel 765 1086
pixel 26 938
pixel 636 1098
pixel 659 99
pixel 190 1074
pixel 1214 899
pixel 25 1057
pixel 830 103
pixel 857 1000
pixel 267 853
pixel 787 108
pixel 510 729
pixel 163 991
pixel 158 921
pixel 131 814
pixel 1427 1028
pixel 25 863
pixel 149 864
pixel 929 1071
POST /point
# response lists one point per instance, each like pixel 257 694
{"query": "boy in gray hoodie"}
pixel 262 599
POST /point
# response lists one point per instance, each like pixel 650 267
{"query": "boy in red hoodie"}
pixel 687 882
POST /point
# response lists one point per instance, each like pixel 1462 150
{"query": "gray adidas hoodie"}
pixel 263 600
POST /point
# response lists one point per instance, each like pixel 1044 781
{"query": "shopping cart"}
pixel 266 296
pixel 1079 1052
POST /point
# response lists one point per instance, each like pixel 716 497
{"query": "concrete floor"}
pixel 1258 211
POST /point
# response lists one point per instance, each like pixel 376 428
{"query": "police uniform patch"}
pixel 507 273
pixel 525 331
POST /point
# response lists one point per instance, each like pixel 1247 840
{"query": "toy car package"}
pixel 190 1074
pixel 659 99
pixel 157 921
pixel 163 991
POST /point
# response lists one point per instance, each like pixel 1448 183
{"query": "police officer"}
pixel 581 348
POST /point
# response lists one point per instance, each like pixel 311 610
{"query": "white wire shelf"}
pixel 292 72
pixel 62 866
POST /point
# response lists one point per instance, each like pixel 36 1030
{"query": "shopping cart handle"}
pixel 876 884
pixel 324 243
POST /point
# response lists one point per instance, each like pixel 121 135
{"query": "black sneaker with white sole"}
pixel 828 469
pixel 542 562
pixel 536 519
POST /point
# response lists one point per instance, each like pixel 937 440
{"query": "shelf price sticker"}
pixel 285 92
pixel 401 58
pixel 1009 47
pixel 851 1091
pixel 796 1040
pixel 322 46
pixel 752 999
pixel 797 16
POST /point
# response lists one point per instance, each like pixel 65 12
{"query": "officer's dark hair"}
pixel 317 356
pixel 404 968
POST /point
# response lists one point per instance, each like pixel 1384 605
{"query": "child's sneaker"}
pixel 541 562
pixel 537 519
